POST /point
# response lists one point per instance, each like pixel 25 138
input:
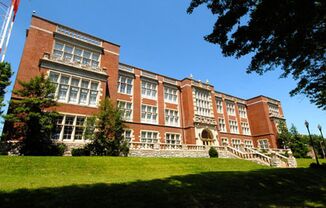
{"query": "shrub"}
pixel 80 152
pixel 213 152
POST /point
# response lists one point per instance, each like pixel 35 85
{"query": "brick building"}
pixel 160 111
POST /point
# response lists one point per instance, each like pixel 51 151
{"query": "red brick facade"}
pixel 177 111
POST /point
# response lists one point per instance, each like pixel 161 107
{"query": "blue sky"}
pixel 161 37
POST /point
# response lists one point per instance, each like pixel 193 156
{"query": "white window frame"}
pixel 219 105
pixel 203 103
pixel 145 83
pixel 173 143
pixel 242 111
pixel 263 147
pixel 74 126
pixel 245 128
pixel 131 135
pixel 221 124
pixel 174 117
pixel 225 141
pixel 234 128
pixel 171 94
pixel 126 83
pixel 230 108
pixel 248 143
pixel 124 110
pixel 145 119
pixel 93 62
pixel 149 142
pixel 69 86
pixel 236 143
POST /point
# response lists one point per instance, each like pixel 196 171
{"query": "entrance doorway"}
pixel 207 137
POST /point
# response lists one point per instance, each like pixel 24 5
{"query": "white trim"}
pixel 41 29
pixel 111 52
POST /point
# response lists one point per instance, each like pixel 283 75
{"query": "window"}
pixel 203 102
pixel 273 110
pixel 245 128
pixel 236 143
pixel 225 141
pixel 148 138
pixel 242 111
pixel 219 105
pixel 71 89
pixel 230 108
pixel 233 127
pixel 248 143
pixel 263 144
pixel 125 84
pixel 221 124
pixel 126 110
pixel 170 94
pixel 148 89
pixel 69 127
pixel 171 117
pixel 172 140
pixel 70 53
pixel 127 135
pixel 149 114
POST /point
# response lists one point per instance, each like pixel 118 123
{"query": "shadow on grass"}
pixel 262 188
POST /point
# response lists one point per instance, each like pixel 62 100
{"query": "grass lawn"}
pixel 156 182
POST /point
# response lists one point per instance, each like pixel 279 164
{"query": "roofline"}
pixel 230 95
pixel 52 22
pixel 265 97
pixel 150 71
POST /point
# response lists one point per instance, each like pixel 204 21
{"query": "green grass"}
pixel 156 182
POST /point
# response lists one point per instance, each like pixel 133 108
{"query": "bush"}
pixel 213 152
pixel 80 152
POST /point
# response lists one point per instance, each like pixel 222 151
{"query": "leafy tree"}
pixel 5 75
pixel 298 144
pixel 284 136
pixel 277 33
pixel 30 119
pixel 106 132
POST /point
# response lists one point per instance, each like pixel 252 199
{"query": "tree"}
pixel 30 119
pixel 277 33
pixel 298 144
pixel 284 136
pixel 5 75
pixel 106 131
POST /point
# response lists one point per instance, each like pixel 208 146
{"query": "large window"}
pixel 71 89
pixel 70 53
pixel 148 139
pixel 125 84
pixel 230 108
pixel 273 110
pixel 245 128
pixel 219 105
pixel 126 110
pixel 203 102
pixel 69 127
pixel 225 141
pixel 233 126
pixel 242 111
pixel 221 124
pixel 170 94
pixel 148 89
pixel 248 143
pixel 127 135
pixel 149 114
pixel 173 140
pixel 236 143
pixel 263 144
pixel 171 117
